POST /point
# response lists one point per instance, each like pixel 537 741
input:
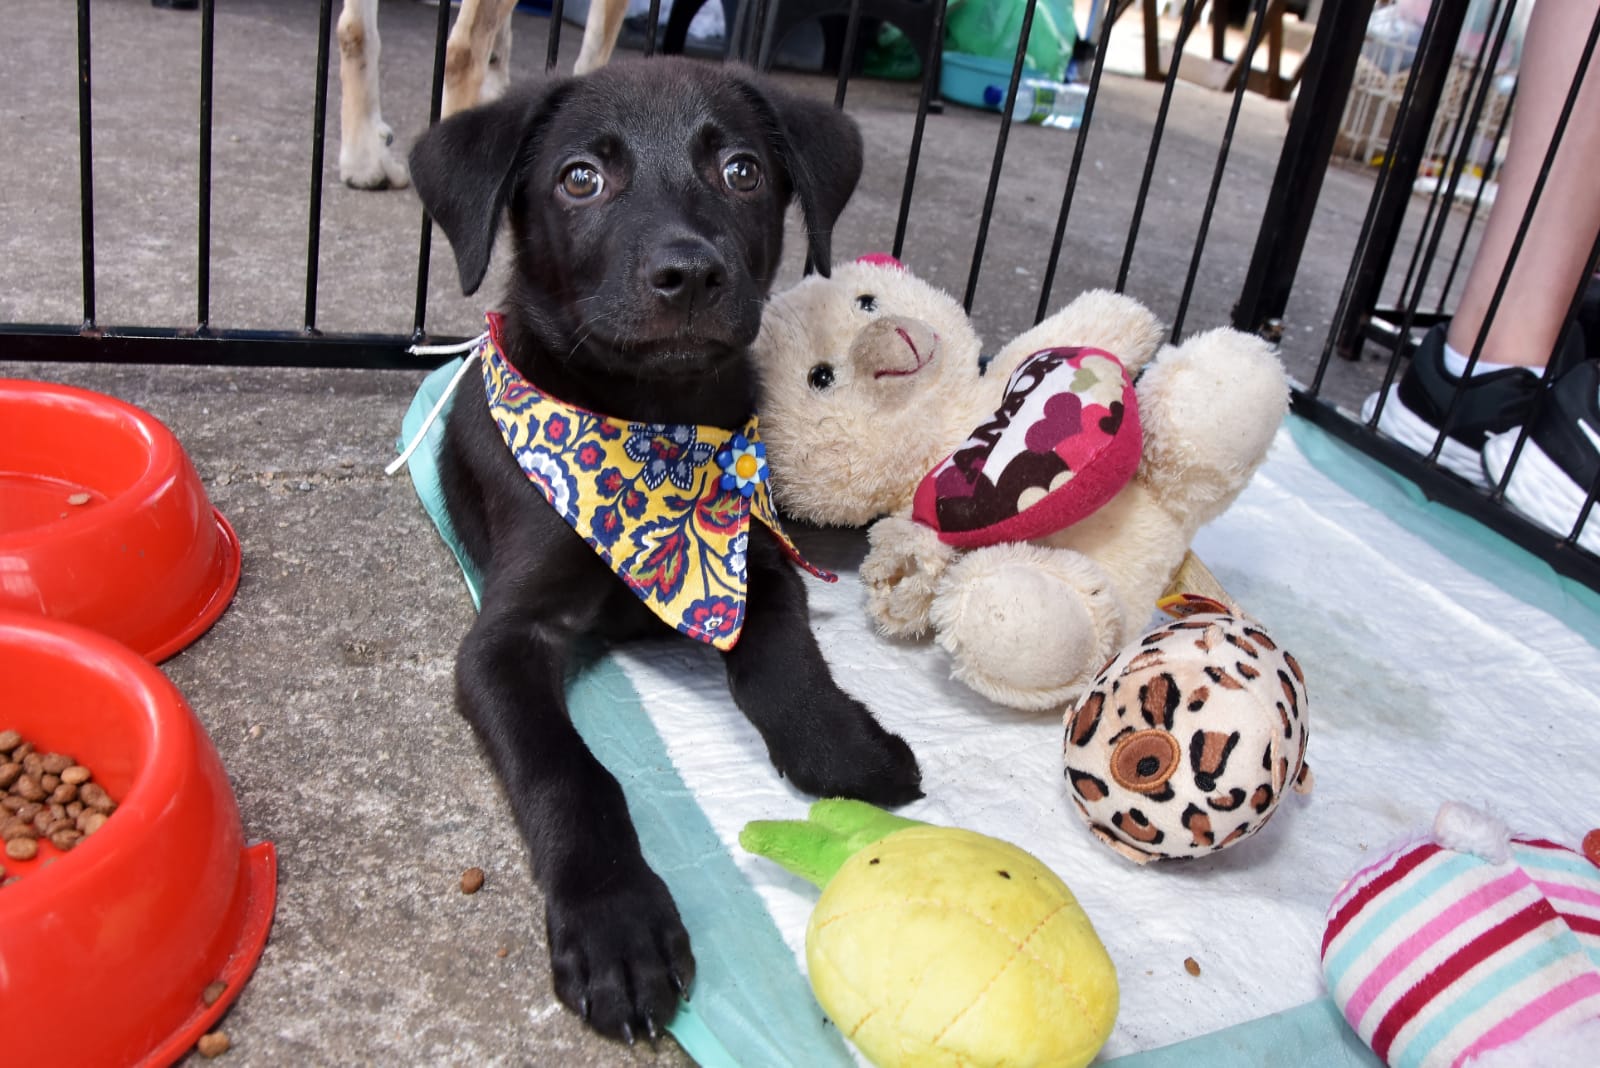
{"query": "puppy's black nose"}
pixel 685 272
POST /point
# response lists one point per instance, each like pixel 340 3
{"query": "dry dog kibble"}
pixel 1191 966
pixel 213 991
pixel 77 499
pixel 45 796
pixel 213 1045
pixel 472 880
pixel 94 795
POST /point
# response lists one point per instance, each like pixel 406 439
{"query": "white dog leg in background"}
pixel 497 79
pixel 365 158
pixel 600 32
pixel 477 31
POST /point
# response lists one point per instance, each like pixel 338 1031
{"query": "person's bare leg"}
pixel 1556 250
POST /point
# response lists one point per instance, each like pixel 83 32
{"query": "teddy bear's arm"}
pixel 901 574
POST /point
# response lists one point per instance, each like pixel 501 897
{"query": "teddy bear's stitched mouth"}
pixel 922 361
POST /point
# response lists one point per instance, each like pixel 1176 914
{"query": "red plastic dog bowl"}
pixel 104 523
pixel 105 950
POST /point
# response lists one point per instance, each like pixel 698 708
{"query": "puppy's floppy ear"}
pixel 466 167
pixel 820 148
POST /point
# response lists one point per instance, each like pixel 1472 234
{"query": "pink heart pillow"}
pixel 1065 439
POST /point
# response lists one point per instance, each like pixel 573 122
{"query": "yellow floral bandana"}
pixel 666 506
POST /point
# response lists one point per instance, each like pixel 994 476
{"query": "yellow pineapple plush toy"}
pixel 937 946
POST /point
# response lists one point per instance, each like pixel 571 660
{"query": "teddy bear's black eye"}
pixel 821 376
pixel 867 302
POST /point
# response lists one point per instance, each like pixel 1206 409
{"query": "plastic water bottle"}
pixel 1041 102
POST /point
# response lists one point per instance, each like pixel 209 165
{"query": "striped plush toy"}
pixel 1470 947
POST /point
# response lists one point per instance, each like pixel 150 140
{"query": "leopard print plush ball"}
pixel 1185 741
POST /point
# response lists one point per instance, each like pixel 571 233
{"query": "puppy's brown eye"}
pixel 867 302
pixel 582 182
pixel 742 174
pixel 821 376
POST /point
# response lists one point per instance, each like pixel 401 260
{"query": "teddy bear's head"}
pixel 868 378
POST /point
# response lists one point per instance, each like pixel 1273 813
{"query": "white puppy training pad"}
pixel 1427 683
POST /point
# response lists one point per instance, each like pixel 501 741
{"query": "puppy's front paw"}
pixel 619 955
pixel 859 760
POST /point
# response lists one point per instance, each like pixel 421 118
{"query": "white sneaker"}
pixel 1561 459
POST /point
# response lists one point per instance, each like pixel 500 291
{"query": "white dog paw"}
pixel 368 163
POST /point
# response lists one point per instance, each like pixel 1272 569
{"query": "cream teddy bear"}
pixel 872 377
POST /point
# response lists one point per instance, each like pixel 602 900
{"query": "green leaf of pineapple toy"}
pixel 937 946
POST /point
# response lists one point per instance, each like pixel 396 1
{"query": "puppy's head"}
pixel 646 204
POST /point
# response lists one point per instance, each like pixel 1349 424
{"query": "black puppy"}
pixel 646 204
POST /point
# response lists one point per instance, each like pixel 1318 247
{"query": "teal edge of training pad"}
pixel 752 1006
pixel 1460 537
pixel 1313 1035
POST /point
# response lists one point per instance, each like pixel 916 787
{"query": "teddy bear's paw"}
pixel 1028 626
pixel 1210 409
pixel 901 573
pixel 1099 319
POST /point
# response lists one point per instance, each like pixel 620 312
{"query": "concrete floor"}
pixel 327 685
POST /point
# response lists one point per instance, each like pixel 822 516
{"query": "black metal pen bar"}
pixel 208 19
pixel 1328 73
pixel 914 154
pixel 85 165
pixel 1427 77
pixel 999 154
pixel 319 128
pixel 1059 238
pixel 1257 31
pixel 1185 25
pixel 45 342
pixel 441 34
pixel 1408 313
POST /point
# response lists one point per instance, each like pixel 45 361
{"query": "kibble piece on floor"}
pixel 213 1045
pixel 471 880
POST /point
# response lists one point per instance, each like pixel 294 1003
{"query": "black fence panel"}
pixel 1284 214
pixel 1364 318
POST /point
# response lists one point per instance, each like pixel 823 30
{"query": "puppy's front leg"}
pixel 823 739
pixel 619 954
